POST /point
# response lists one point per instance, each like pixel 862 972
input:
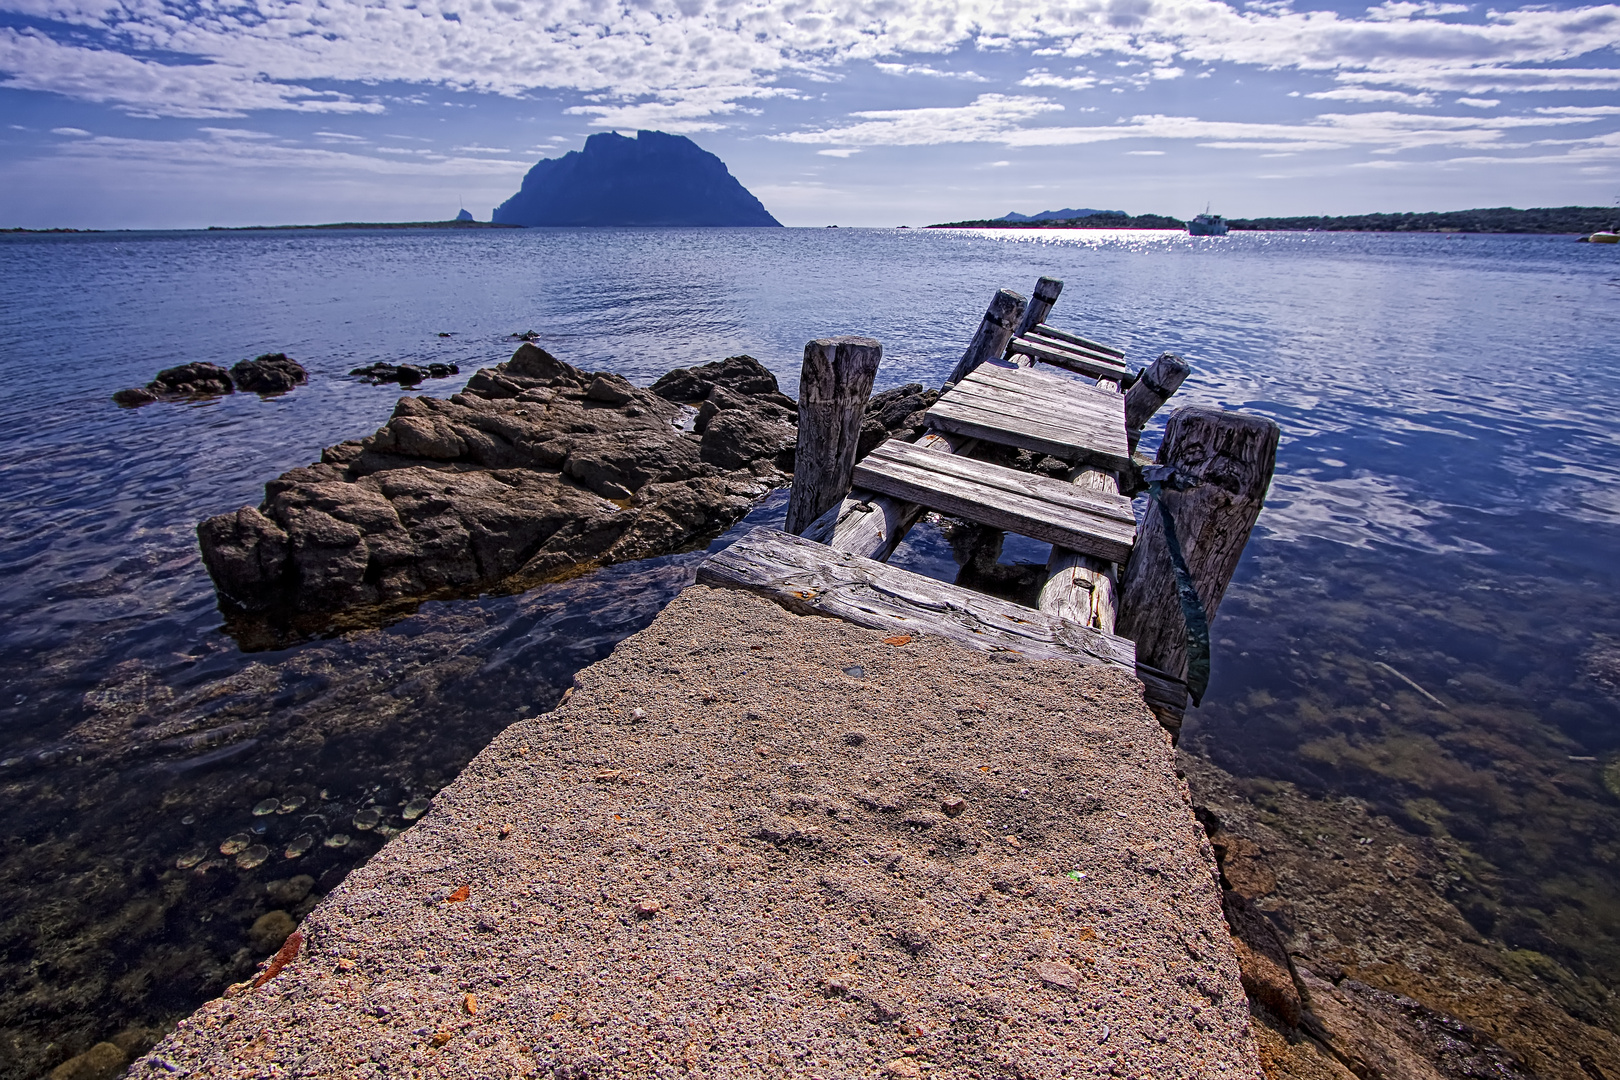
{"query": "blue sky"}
pixel 185 113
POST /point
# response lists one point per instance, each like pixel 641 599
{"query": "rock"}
pixel 873 434
pixel 103 1061
pixel 610 389
pixel 507 482
pixel 404 374
pixel 186 381
pixel 903 1069
pixel 289 891
pixel 193 380
pixel 646 909
pixel 272 373
pixel 270 931
pixel 1056 974
pixel 954 806
pixel 741 374
pixel 1263 963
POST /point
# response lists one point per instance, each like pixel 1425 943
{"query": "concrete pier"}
pixel 753 843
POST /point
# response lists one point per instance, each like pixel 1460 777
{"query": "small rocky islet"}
pixel 535 471
pixel 271 373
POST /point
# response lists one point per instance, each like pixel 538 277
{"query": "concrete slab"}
pixel 761 844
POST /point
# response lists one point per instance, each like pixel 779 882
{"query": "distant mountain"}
pixel 652 179
pixel 1056 215
pixel 465 215
pixel 1101 219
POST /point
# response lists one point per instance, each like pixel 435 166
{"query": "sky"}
pixel 189 113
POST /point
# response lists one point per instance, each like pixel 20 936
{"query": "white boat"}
pixel 1206 224
pixel 1609 237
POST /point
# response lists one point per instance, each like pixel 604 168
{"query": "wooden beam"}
pixel 872 525
pixel 1002 498
pixel 1151 389
pixel 1076 339
pixel 811 579
pixel 1006 428
pixel 834 385
pixel 995 330
pixel 1066 358
pixel 1230 458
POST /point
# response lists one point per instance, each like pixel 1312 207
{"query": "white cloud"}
pixel 997 118
pixel 1000 164
pixel 67 131
pixel 933 72
pixel 1363 95
pixel 1479 103
pixel 840 152
pixel 1059 82
pixel 1397 10
pixel 483 150
pixel 1144 153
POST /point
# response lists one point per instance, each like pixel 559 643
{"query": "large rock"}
pixel 536 470
pixel 652 179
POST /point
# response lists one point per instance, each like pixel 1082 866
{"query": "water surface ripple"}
pixel 1446 503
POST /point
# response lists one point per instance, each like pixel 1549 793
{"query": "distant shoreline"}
pixel 1554 221
pixel 287 228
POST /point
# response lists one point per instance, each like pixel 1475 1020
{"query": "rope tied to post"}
pixel 1194 620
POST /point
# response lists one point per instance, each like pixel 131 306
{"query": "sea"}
pixel 1427 617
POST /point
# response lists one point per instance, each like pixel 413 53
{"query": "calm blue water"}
pixel 1447 503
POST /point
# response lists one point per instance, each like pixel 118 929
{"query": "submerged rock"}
pixel 535 471
pixel 185 381
pixel 404 374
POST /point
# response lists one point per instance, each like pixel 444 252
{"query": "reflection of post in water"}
pixel 1015 447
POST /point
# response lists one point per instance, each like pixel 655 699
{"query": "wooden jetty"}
pixel 1134 593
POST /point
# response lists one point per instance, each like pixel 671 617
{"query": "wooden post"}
pixel 1150 390
pixel 1231 457
pixel 995 331
pixel 1079 587
pixel 834 386
pixel 1040 305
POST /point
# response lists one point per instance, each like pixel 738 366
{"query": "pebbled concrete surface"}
pixel 728 854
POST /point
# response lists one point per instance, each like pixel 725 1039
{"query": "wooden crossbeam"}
pixel 1007 499
pixel 1075 339
pixel 812 579
pixel 1096 365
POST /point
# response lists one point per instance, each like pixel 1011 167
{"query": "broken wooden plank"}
pixel 812 579
pixel 1098 420
pixel 1024 503
pixel 1094 364
pixel 1081 587
pixel 1075 339
pixel 872 525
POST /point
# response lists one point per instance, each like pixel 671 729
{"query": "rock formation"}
pixel 404 374
pixel 272 373
pixel 654 179
pixel 535 471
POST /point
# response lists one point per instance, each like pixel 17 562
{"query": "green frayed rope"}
pixel 1193 618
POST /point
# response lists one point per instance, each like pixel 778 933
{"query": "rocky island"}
pixel 536 471
pixel 653 179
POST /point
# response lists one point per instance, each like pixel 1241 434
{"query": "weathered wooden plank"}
pixel 1231 456
pixel 1153 386
pixel 995 330
pixel 1093 364
pixel 811 579
pixel 872 525
pixel 1042 383
pixel 1023 503
pixel 1090 354
pixel 1076 339
pixel 1024 432
pixel 1081 587
pixel 1100 418
pixel 834 386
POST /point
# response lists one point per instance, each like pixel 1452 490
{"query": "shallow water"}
pixel 1445 508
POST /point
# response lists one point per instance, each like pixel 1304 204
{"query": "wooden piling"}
pixel 995 331
pixel 871 525
pixel 1150 390
pixel 1229 459
pixel 834 386
pixel 1079 587
pixel 1040 306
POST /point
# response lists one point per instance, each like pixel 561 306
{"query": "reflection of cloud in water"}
pixel 1359 511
